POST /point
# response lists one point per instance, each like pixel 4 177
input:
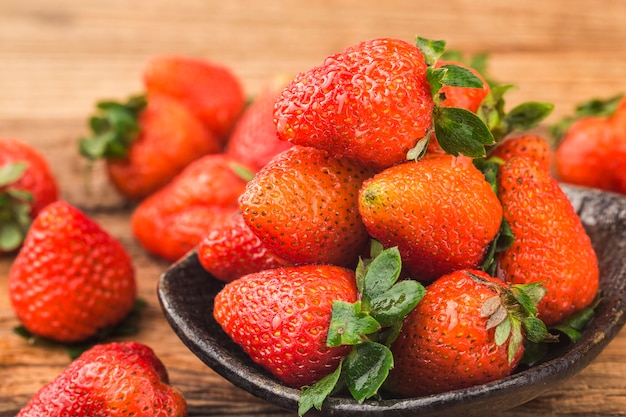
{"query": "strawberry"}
pixel 467 98
pixel 378 103
pixel 146 142
pixel 550 244
pixel 467 330
pixel 591 147
pixel 529 145
pixel 254 140
pixel 371 103
pixel 231 250
pixel 27 185
pixel 321 326
pixel 280 317
pixel 174 219
pixel 303 207
pixel 114 380
pixel 71 278
pixel 440 212
pixel 209 90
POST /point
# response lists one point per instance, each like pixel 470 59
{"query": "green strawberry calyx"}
pixel 460 131
pixel 512 312
pixel 369 325
pixel 15 207
pixel 114 128
pixel 522 117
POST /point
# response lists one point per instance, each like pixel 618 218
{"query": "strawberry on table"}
pixel 303 207
pixel 550 245
pixel 254 139
pixel 27 185
pixel 146 142
pixel 209 90
pixel 174 219
pixel 467 330
pixel 71 278
pixel 591 145
pixel 440 212
pixel 114 380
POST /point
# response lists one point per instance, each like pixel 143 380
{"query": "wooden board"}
pixel 57 58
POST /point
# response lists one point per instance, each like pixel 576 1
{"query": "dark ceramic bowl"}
pixel 186 294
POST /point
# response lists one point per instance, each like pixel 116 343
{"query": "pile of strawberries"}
pixel 380 223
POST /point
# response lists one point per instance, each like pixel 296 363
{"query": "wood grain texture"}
pixel 57 58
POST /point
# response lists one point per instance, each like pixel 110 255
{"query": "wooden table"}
pixel 58 57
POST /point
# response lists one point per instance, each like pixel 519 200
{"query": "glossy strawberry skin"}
pixel 370 103
pixel 303 207
pixel 551 245
pixel 592 153
pixel 528 145
pixel 172 221
pixel 439 211
pixel 70 278
pixel 254 139
pixel 210 90
pixel 113 380
pixel 444 343
pixel 280 317
pixel 467 98
pixel 231 250
pixel 38 179
pixel 169 139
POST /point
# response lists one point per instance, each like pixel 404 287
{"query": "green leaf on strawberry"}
pixel 366 368
pixel 15 207
pixel 512 310
pixel 460 131
pixel 349 323
pixel 370 325
pixel 114 128
pixel 451 75
pixel 521 118
pixel 431 49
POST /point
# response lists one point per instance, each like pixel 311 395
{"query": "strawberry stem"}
pixel 114 128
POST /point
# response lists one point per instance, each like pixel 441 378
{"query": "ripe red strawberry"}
pixel 529 145
pixel 457 336
pixel 281 317
pixel 115 380
pixel 231 250
pixel 370 103
pixel 70 278
pixel 210 90
pixel 27 185
pixel 467 98
pixel 303 207
pixel 592 149
pixel 174 219
pixel 550 244
pixel 146 143
pixel 440 212
pixel 254 140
